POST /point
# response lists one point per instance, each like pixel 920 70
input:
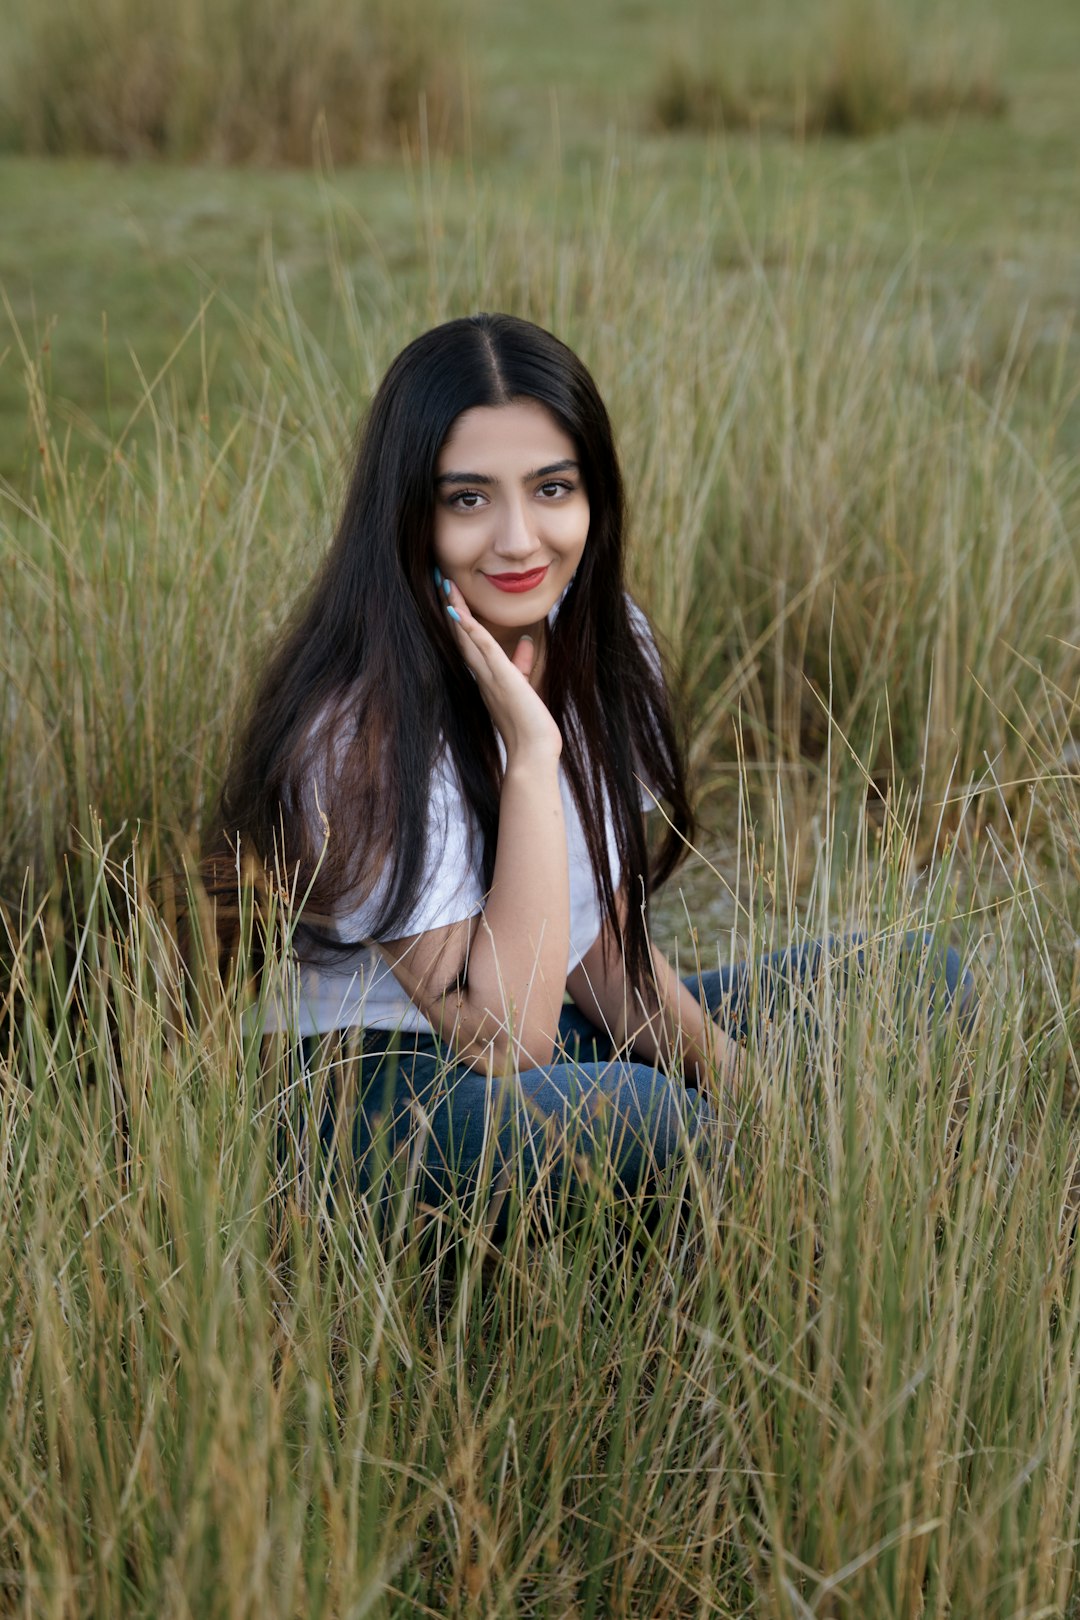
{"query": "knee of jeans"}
pixel 961 990
pixel 942 967
pixel 653 1122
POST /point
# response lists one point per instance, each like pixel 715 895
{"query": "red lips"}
pixel 518 582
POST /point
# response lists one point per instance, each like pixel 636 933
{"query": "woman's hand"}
pixel 520 713
pixel 729 1057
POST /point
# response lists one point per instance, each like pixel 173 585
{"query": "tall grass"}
pixel 843 1380
pixel 856 70
pixel 836 1373
pixel 827 514
pixel 880 70
pixel 231 82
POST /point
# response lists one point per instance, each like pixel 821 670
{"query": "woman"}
pixel 450 755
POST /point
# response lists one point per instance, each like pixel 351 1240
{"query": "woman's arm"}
pixel 674 1027
pixel 494 985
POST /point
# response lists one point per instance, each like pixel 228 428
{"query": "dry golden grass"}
pixel 234 82
pixel 869 68
pixel 836 1373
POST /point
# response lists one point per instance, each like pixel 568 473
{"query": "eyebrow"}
pixel 486 478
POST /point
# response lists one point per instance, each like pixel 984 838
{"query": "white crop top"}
pixel 358 988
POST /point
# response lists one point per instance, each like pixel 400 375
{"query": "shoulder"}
pixel 321 756
pixel 336 729
pixel 646 636
pixel 639 624
pixel 639 621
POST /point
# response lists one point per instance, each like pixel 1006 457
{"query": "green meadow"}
pixel 824 264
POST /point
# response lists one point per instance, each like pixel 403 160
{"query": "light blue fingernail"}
pixel 438 577
pixel 446 586
pixel 454 614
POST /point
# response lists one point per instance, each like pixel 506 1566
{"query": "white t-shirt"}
pixel 358 988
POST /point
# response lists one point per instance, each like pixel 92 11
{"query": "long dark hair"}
pixel 367 683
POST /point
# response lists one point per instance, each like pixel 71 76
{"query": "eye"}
pixel 466 500
pixel 554 487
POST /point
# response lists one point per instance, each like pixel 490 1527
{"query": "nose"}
pixel 515 539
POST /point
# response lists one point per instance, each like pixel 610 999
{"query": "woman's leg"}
pixel 466 1130
pixel 785 982
pixel 462 1124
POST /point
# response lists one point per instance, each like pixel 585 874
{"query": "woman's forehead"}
pixel 523 431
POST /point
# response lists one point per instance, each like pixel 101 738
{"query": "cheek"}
pixel 567 525
pixel 454 544
pixel 575 528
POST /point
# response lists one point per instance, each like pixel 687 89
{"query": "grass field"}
pixel 843 378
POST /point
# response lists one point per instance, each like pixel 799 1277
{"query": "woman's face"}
pixel 511 514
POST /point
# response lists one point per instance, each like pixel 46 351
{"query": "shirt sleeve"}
pixel 450 887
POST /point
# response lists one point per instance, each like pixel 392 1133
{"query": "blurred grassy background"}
pixel 837 363
pixel 892 313
pixel 540 100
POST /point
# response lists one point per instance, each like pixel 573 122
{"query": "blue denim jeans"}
pixel 399 1095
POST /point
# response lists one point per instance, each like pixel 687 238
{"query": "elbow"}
pixel 503 1044
pixel 537 1054
pixel 514 1053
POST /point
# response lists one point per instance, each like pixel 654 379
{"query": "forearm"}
pixel 678 1032
pixel 667 1028
pixel 515 978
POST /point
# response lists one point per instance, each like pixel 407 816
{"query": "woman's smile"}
pixel 511 515
pixel 519 582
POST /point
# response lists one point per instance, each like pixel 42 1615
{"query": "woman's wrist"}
pixel 532 760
